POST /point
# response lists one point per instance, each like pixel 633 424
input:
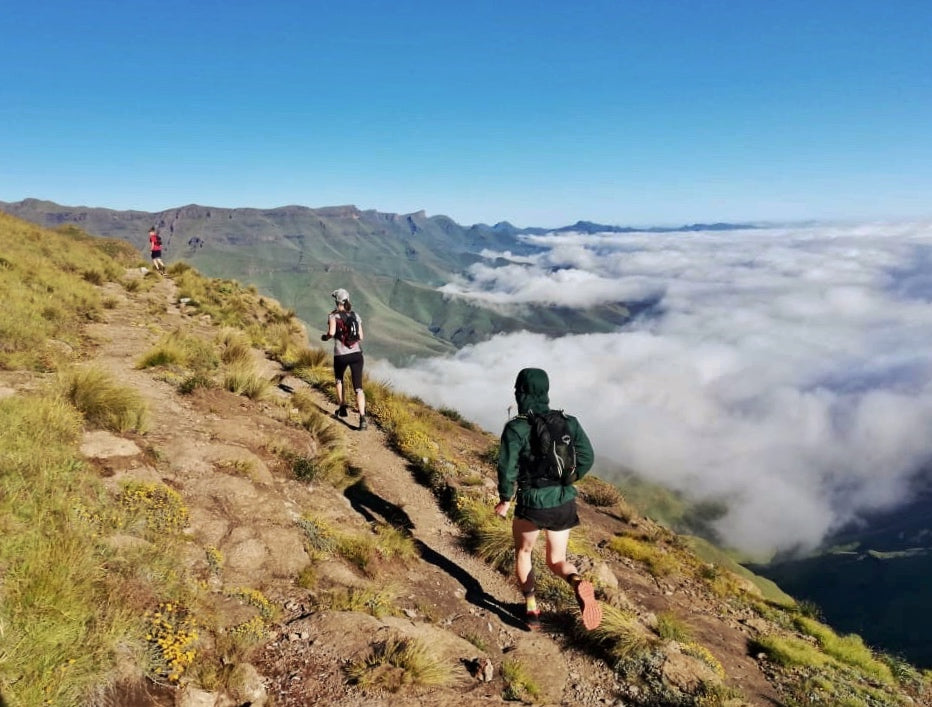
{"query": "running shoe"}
pixel 342 411
pixel 362 423
pixel 532 620
pixel 589 607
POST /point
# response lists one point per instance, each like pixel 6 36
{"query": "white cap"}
pixel 340 295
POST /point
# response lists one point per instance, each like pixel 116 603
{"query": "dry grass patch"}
pixel 398 662
pixel 45 292
pixel 104 402
pixel 243 379
pixel 377 602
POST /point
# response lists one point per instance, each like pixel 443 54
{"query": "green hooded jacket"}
pixel 532 393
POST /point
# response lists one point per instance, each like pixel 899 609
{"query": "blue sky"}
pixel 539 113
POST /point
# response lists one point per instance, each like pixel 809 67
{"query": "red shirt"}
pixel 155 243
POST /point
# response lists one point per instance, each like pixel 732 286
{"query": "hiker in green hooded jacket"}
pixel 551 508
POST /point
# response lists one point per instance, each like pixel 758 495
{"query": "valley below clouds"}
pixel 785 371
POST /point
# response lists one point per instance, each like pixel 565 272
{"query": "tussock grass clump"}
pixel 398 662
pixel 244 379
pixel 308 357
pixel 622 636
pixel 395 543
pixel 235 347
pixel 658 563
pixel 519 683
pixel 104 402
pixel 494 544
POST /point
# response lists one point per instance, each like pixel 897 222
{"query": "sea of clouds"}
pixel 784 370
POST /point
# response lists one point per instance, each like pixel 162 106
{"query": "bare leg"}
pixel 525 536
pixel 557 540
pixel 339 386
pixel 361 402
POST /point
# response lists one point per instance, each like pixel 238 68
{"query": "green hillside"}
pixel 390 263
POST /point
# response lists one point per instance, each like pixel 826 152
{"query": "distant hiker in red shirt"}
pixel 345 328
pixel 155 245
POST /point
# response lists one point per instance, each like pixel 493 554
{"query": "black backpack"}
pixel 348 331
pixel 553 452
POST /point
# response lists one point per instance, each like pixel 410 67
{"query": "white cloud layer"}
pixel 786 370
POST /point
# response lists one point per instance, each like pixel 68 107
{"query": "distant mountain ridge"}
pixel 391 263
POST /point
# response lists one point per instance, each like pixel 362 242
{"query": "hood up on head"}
pixel 532 391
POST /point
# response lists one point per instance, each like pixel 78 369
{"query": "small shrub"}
pixel 171 635
pixel 320 536
pixel 158 508
pixel 256 599
pixel 214 560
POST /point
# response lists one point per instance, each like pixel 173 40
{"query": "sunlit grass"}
pixel 182 349
pixel 375 601
pixel 519 683
pixel 658 563
pixel 398 662
pixel 61 616
pixel 244 379
pixel 104 403
pixel 49 288
pixel 848 649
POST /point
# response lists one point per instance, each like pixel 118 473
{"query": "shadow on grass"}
pixel 375 508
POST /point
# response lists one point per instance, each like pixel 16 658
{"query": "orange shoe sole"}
pixel 589 608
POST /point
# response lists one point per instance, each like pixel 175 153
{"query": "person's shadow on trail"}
pixel 373 508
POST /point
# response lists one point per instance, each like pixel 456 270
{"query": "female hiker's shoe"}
pixel 532 620
pixel 342 411
pixel 362 423
pixel 589 608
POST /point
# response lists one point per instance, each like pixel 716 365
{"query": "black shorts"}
pixel 558 518
pixel 354 362
pixel 156 254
